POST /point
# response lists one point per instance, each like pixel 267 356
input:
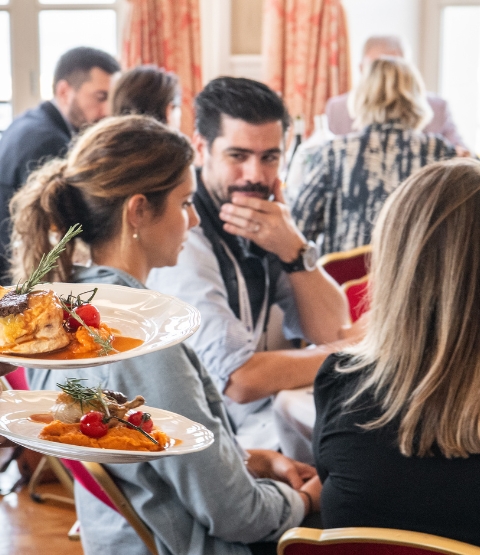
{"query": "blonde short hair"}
pixel 391 88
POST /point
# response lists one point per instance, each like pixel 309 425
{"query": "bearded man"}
pixel 246 255
pixel 81 85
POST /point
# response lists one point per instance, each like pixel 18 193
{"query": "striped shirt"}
pixel 348 179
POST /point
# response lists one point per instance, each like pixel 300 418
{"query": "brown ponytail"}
pixel 111 161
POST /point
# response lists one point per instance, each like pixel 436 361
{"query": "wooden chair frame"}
pixel 121 503
pixel 388 536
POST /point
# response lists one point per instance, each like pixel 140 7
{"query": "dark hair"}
pixel 238 98
pixel 146 90
pixel 75 65
pixel 111 161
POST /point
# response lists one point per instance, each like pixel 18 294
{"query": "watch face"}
pixel 310 256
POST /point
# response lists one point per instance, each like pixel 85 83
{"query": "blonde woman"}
pixel 397 435
pixel 349 177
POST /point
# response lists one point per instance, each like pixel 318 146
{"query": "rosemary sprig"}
pixel 47 262
pixel 81 393
pixel 138 428
pixel 106 344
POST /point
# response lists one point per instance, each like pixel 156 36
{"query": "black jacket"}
pixel 32 138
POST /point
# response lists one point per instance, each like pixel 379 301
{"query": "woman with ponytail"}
pixel 129 182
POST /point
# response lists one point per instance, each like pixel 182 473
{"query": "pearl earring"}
pixel 135 235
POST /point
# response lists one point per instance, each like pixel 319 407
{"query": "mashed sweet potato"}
pixel 120 437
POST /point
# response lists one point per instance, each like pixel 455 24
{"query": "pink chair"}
pixel 17 379
pixel 95 479
pixel 368 541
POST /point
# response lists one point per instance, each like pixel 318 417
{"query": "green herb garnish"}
pixel 47 262
pixel 106 344
pixel 83 394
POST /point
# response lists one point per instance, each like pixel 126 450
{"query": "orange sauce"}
pixel 120 343
pixel 43 418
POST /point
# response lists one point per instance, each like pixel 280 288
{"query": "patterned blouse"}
pixel 349 178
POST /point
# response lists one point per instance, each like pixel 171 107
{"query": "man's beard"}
pixel 263 190
pixel 76 116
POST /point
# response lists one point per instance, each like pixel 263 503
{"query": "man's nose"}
pixel 253 170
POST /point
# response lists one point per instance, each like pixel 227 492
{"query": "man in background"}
pixel 246 255
pixel 81 84
pixel 340 120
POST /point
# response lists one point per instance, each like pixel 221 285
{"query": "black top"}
pixel 32 138
pixel 368 482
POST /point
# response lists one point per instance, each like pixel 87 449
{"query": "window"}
pixel 35 33
pixel 451 63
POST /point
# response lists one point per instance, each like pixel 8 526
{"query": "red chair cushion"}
pixel 347 269
pixel 357 299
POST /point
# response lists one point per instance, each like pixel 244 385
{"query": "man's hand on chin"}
pixel 269 224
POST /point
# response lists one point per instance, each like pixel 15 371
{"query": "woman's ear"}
pixel 137 211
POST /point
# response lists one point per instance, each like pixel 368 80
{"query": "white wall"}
pixel 382 17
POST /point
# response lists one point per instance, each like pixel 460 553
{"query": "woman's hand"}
pixel 264 463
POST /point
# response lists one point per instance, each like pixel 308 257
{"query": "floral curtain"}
pixel 167 33
pixel 306 53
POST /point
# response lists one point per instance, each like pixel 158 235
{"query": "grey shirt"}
pixel 203 503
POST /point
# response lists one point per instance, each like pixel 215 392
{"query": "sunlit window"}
pixel 5 72
pixel 460 69
pixel 61 30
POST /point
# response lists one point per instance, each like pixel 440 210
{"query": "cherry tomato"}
pixel 88 313
pixel 66 315
pixel 92 424
pixel 142 420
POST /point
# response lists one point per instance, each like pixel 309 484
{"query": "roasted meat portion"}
pixel 31 324
pixel 69 410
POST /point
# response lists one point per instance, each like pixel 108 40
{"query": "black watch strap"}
pixel 305 260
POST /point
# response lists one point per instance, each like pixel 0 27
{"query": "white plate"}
pixel 17 406
pixel 159 320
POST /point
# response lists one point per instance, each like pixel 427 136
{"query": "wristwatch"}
pixel 305 261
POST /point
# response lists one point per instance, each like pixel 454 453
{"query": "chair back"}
pixel 368 541
pixel 356 292
pixel 348 265
pixel 95 479
pixel 17 379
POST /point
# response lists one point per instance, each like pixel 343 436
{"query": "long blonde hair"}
pixel 113 160
pixel 420 357
pixel 390 88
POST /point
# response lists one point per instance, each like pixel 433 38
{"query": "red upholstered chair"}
pixel 95 479
pixel 348 265
pixel 356 291
pixel 368 541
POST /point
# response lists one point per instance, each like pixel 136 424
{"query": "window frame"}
pixel 25 45
pixel 431 44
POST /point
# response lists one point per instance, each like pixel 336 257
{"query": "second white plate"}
pixel 17 406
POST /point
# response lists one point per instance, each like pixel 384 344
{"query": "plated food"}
pixel 95 417
pixel 38 321
pixel 18 407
